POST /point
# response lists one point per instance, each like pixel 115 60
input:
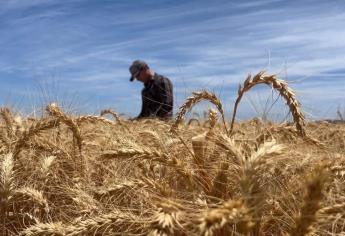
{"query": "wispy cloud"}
pixel 88 45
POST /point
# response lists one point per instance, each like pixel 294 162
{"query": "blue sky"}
pixel 78 51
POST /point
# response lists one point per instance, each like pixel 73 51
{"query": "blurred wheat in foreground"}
pixel 67 175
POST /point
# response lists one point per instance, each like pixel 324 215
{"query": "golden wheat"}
pixel 282 87
pixel 55 111
pixel 6 115
pixel 311 203
pixel 194 99
pixel 231 214
pixel 197 180
pixel 34 129
pixel 93 120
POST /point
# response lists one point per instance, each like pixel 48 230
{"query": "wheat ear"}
pixel 6 188
pixel 152 155
pixel 116 117
pixel 29 194
pixel 251 187
pixel 231 213
pixel 113 113
pixel 199 146
pixel 165 220
pixel 34 129
pixel 114 223
pixel 55 111
pixel 9 120
pixel 43 229
pixel 311 203
pixel 219 185
pixel 334 209
pixel 194 99
pixel 282 87
pixel 212 118
pixel 93 120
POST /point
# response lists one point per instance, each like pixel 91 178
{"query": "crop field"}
pixel 62 174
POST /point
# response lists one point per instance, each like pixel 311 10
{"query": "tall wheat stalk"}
pixel 282 87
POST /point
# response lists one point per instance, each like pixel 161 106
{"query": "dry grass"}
pixel 139 178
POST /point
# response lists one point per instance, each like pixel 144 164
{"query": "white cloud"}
pixel 198 46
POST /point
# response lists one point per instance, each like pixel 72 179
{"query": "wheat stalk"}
pixel 229 213
pixel 131 152
pixel 114 114
pixel 199 146
pixel 252 189
pixel 193 120
pixel 267 148
pixel 152 155
pixel 114 223
pixel 83 201
pixel 116 117
pixel 6 180
pixel 26 194
pixel 219 186
pixel 334 209
pixel 45 229
pixel 6 187
pixel 166 219
pixel 311 202
pixel 34 129
pixel 117 189
pixel 230 146
pixel 93 120
pixel 194 99
pixel 6 115
pixel 282 87
pixel 46 163
pixel 212 118
pixel 55 111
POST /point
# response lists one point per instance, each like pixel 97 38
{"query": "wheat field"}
pixel 62 174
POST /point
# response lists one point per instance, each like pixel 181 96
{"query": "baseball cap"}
pixel 136 67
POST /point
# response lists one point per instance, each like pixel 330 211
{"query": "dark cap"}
pixel 136 67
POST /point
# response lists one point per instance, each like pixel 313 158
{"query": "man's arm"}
pixel 144 107
pixel 165 95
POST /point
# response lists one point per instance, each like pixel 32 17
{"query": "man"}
pixel 157 94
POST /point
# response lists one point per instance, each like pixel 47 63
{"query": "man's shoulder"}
pixel 161 78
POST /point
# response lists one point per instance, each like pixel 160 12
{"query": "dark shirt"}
pixel 157 98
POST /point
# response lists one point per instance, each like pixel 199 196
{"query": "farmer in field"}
pixel 157 94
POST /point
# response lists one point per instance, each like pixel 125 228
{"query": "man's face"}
pixel 142 77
